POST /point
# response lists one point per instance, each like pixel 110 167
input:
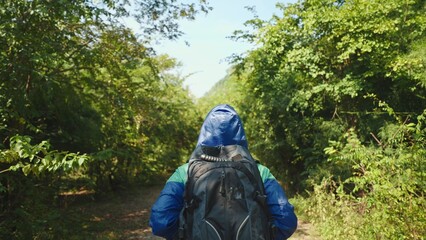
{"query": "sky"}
pixel 204 60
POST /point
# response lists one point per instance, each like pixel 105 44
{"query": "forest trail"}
pixel 126 215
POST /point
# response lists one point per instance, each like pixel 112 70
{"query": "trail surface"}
pixel 126 215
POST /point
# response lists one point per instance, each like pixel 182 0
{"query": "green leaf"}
pixel 26 169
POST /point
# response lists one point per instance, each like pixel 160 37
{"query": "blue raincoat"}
pixel 221 127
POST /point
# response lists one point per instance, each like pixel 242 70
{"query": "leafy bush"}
pixel 29 185
pixel 385 196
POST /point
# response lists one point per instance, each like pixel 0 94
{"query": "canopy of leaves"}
pixel 334 103
pixel 82 97
pixel 312 78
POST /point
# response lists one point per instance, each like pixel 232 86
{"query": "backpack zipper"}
pixel 222 189
pixel 211 225
pixel 241 226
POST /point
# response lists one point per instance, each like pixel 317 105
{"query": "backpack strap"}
pixel 263 202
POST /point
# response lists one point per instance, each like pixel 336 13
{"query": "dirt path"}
pixel 305 231
pixel 126 215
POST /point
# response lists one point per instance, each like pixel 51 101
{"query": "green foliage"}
pixel 412 65
pixel 38 159
pixel 74 79
pixel 312 78
pixel 334 103
pixel 385 195
pixel 160 17
pixel 30 178
pixel 229 90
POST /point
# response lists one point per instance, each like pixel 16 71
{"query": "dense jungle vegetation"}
pixel 333 99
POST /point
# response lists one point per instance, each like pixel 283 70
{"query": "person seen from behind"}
pixel 218 195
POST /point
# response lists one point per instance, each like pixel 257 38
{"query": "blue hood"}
pixel 222 127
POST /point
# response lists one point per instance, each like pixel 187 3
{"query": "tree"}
pixel 48 45
pixel 75 81
pixel 313 78
pixel 335 99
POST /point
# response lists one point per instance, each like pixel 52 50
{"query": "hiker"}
pixel 222 140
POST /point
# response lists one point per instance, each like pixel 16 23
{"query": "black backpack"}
pixel 224 197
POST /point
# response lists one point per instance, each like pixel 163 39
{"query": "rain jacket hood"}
pixel 222 127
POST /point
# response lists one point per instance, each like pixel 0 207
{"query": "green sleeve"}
pixel 180 175
pixel 265 173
